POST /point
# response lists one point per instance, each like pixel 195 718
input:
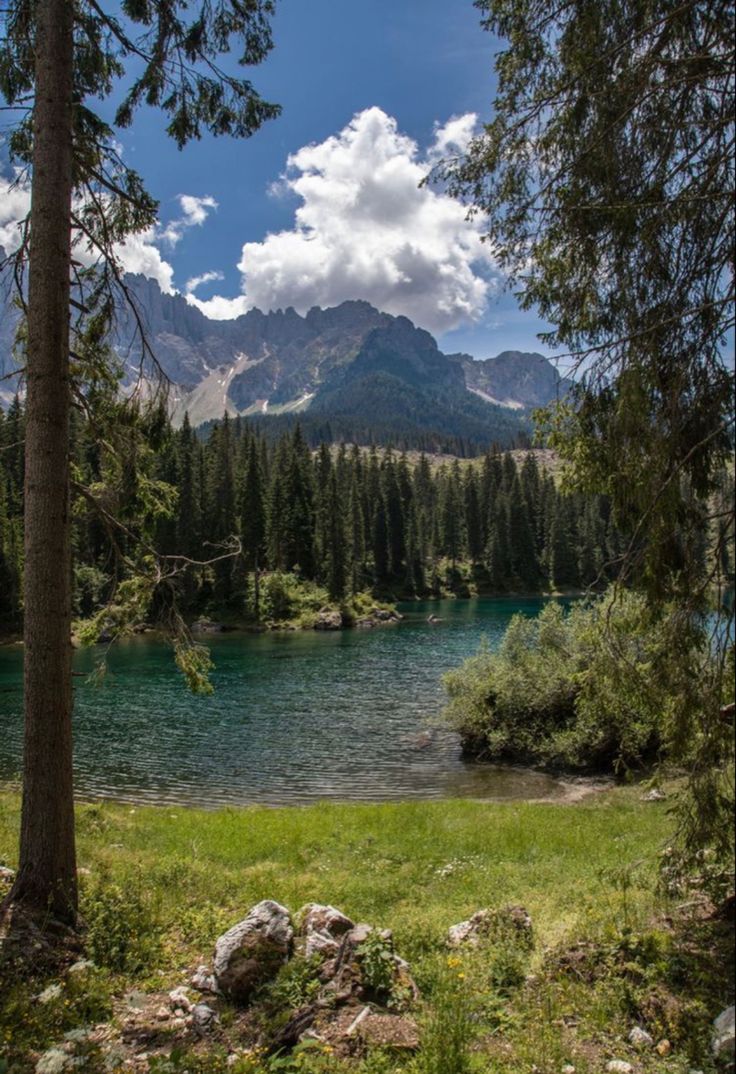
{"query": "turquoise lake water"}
pixel 295 717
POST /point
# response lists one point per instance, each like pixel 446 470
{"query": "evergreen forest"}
pixel 231 503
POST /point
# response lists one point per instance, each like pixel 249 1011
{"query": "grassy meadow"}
pixel 160 884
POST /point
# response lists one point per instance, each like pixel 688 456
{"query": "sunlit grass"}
pixel 416 868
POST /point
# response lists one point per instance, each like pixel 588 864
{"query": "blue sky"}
pixel 405 69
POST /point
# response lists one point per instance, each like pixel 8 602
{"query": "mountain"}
pixel 8 323
pixel 350 372
pixel 514 379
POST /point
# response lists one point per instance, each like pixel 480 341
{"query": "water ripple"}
pixel 295 718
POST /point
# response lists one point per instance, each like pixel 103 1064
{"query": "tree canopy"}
pixel 605 180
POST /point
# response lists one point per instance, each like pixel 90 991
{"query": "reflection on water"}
pixel 294 718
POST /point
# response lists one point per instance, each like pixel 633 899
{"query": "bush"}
pixel 122 927
pixel 286 598
pixel 581 690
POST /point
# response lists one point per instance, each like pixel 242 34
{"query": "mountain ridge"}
pixel 347 365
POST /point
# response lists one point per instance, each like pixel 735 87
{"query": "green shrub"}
pixel 296 983
pixel 122 927
pixel 582 689
pixel 377 965
pixel 286 598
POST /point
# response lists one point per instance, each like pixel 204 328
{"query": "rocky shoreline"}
pixel 326 619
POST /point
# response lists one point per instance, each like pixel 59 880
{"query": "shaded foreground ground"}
pixel 159 885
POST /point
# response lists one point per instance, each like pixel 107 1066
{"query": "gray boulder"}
pixel 323 928
pixel 253 951
pixel 328 619
pixel 206 626
pixel 385 615
pixel 204 1019
pixel 724 1037
pixel 488 925
pixel 203 980
pixel 640 1038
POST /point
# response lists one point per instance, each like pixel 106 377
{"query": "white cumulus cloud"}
pixel 15 201
pixel 196 281
pixel 140 253
pixel 365 228
pixel 194 213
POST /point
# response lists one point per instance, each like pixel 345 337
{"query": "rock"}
pixel 434 619
pixel 50 994
pixel 568 1069
pixel 365 623
pixel 640 1038
pixel 253 950
pixel 203 980
pixel 179 1000
pixel 54 1061
pixel 385 615
pixel 84 965
pixel 487 924
pixel 136 1000
pixel 206 626
pixel 664 1048
pixel 619 1066
pixel 7 875
pixel 78 1036
pixel 328 619
pixel 724 1036
pixel 654 795
pixel 323 928
pixel 163 1014
pixel 204 1019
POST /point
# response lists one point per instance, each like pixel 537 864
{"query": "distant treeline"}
pixel 349 519
pixel 508 431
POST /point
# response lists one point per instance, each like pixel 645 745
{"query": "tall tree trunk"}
pixel 47 872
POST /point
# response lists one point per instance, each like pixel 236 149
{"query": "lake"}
pixel 295 717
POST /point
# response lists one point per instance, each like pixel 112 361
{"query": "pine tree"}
pixel 499 546
pixel 253 519
pixel 336 550
pixel 381 554
pixel 473 524
pixel 521 536
pixel 188 516
pixel 451 515
pixel 221 515
pixel 356 532
pixel 394 515
pixel 299 507
pixel 563 546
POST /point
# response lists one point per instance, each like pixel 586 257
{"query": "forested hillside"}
pixel 347 519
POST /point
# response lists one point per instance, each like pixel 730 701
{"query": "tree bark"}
pixel 46 878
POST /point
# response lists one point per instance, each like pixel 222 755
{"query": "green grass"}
pixel 163 883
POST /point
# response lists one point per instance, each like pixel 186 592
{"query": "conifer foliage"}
pixel 344 518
